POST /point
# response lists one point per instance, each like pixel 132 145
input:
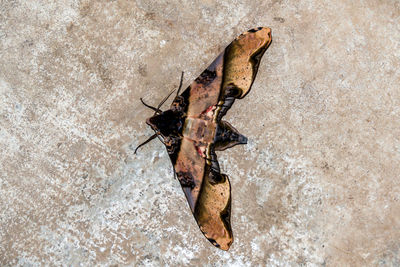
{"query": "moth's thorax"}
pixel 199 130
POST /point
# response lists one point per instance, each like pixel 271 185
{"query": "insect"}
pixel 193 129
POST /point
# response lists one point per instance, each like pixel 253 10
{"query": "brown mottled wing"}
pixel 207 192
pixel 235 67
pixel 229 77
pixel 190 169
pixel 243 58
pixel 213 209
pixel 205 90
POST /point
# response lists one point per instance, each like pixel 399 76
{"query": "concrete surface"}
pixel 317 185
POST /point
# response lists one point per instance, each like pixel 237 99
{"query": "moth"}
pixel 193 129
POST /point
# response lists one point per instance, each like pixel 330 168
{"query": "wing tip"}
pixel 266 31
pixel 224 246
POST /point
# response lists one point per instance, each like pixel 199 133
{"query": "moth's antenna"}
pixel 151 107
pixel 145 142
pixel 163 101
pixel 180 84
pixel 157 109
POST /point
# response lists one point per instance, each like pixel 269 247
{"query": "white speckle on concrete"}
pixel 317 183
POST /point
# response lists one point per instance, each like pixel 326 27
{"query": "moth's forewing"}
pixel 243 57
pixel 205 90
pixel 190 170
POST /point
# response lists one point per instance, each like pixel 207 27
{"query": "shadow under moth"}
pixel 193 129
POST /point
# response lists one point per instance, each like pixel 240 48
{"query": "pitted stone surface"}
pixel 318 183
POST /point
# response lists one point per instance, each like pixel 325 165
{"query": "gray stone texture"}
pixel 318 183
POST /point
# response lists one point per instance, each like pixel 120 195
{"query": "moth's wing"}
pixel 189 168
pixel 207 192
pixel 205 89
pixel 213 207
pixel 230 76
pixel 243 57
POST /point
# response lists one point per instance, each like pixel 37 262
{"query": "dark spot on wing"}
pixel 255 29
pixel 213 242
pixel 206 77
pixel 186 179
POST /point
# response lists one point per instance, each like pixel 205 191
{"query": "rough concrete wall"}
pixel 317 184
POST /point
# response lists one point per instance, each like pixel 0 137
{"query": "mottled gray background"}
pixel 318 183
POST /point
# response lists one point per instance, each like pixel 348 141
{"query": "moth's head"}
pixel 163 123
pixel 166 123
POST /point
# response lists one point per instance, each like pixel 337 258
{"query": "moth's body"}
pixel 192 130
pixel 203 130
pixel 199 130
